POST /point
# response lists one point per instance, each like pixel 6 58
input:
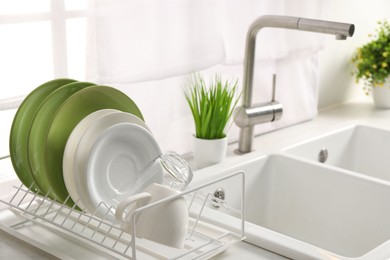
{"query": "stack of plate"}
pixel 78 142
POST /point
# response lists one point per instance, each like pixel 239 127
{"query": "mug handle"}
pixel 124 211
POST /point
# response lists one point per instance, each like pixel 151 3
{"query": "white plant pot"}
pixel 381 95
pixel 209 151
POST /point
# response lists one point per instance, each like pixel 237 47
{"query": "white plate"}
pixel 122 162
pixel 145 152
pixel 70 150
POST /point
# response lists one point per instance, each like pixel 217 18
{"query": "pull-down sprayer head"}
pixel 341 30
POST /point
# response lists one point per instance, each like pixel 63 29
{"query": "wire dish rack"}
pixel 68 232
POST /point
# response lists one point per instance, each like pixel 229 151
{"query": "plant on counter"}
pixel 211 106
pixel 372 60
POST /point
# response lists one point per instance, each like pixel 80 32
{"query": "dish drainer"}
pixel 61 228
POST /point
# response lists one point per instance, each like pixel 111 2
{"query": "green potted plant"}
pixel 372 63
pixel 212 107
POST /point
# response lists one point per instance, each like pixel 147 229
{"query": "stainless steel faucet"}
pixel 249 115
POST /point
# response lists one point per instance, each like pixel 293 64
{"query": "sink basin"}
pixel 304 210
pixel 357 148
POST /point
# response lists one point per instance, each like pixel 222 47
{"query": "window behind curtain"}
pixel 40 40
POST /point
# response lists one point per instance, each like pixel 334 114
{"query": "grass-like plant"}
pixel 211 106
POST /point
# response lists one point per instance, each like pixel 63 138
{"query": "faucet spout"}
pixel 340 30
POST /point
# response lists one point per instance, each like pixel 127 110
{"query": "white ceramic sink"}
pixel 358 148
pixel 304 210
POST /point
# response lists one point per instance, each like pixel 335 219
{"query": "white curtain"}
pixel 139 40
pixel 147 48
pixel 134 41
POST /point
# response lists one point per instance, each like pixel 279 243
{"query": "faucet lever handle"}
pixel 273 87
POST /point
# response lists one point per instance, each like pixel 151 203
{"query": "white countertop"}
pixel 354 112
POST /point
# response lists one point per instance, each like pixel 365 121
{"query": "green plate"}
pixel 40 128
pixel 72 111
pixel 21 126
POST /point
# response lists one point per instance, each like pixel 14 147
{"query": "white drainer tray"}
pixel 69 233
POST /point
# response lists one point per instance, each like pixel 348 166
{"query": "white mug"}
pixel 165 223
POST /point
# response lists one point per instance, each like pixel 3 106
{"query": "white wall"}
pixel 336 82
